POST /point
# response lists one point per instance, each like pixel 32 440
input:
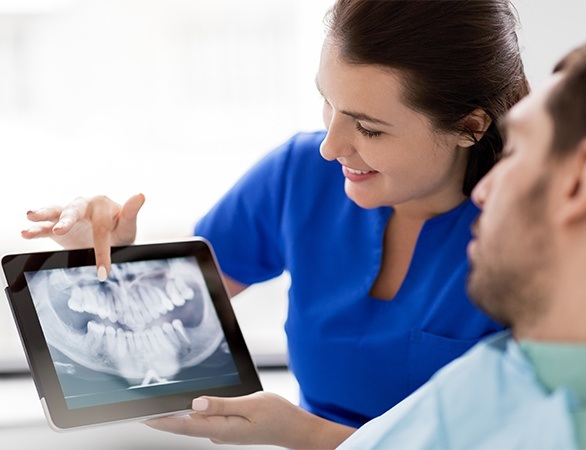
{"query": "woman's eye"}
pixel 367 133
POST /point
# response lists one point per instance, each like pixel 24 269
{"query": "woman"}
pixel 373 232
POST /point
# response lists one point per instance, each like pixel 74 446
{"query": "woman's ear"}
pixel 573 209
pixel 476 124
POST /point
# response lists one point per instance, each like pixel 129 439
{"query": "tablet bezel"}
pixel 41 365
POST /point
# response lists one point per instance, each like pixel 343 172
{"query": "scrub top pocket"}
pixel 428 351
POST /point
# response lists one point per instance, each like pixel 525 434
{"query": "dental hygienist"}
pixel 371 218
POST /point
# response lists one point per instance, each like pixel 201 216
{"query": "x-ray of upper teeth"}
pixel 148 321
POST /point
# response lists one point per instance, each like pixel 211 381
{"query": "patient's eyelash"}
pixel 367 133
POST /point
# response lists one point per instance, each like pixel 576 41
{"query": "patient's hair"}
pixel 566 103
pixel 453 57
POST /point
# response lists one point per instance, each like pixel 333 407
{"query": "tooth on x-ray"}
pixel 147 321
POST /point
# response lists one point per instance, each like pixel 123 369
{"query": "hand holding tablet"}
pixel 157 333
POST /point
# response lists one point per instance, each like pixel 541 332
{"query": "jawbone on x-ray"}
pixel 145 323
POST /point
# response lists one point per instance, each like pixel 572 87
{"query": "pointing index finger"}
pixel 102 218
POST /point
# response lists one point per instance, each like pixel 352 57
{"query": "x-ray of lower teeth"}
pixel 146 324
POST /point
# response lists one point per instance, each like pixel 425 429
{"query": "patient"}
pixel 520 389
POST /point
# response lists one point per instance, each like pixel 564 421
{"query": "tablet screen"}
pixel 150 329
pixel 158 332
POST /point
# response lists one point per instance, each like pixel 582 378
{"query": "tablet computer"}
pixel 157 333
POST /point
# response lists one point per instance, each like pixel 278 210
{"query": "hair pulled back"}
pixel 453 56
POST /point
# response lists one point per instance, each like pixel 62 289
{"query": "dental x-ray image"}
pixel 151 325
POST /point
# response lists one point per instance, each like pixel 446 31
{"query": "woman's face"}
pixel 390 154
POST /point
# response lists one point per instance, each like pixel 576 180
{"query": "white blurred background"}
pixel 175 99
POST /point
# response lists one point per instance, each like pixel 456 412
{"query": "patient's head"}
pixel 530 239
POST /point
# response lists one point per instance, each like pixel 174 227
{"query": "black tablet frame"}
pixel 42 369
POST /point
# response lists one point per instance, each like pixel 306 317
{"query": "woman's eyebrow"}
pixel 356 115
pixel 365 118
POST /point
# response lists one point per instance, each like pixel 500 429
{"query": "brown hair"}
pixel 456 56
pixel 566 103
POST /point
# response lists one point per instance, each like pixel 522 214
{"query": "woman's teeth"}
pixel 358 172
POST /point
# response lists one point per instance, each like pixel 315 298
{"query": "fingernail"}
pixel 200 404
pixel 30 212
pixel 59 225
pixel 102 275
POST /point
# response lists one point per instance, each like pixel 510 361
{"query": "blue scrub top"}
pixel 354 356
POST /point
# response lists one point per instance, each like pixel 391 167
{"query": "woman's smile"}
pixel 357 176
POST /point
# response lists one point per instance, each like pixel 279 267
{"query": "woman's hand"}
pixel 261 418
pixel 86 222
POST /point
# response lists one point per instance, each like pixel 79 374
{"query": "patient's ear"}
pixel 477 122
pixel 574 188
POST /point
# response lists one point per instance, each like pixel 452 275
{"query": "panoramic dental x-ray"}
pixel 150 323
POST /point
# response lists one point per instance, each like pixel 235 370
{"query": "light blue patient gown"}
pixel 490 398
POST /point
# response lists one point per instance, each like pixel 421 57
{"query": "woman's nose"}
pixel 338 141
